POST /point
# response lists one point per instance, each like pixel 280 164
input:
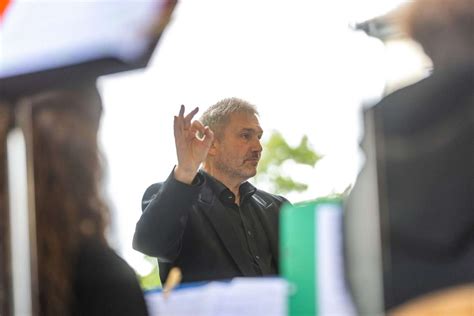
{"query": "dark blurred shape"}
pixel 425 172
pixel 78 274
pixel 5 279
pixel 419 173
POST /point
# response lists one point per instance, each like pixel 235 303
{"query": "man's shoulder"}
pixel 150 194
pixel 266 199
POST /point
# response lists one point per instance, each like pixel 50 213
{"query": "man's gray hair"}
pixel 218 115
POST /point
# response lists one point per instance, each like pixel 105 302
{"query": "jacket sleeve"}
pixel 166 208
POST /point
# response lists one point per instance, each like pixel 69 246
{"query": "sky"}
pixel 303 66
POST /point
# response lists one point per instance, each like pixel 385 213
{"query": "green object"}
pixel 152 279
pixel 298 263
pixel 298 254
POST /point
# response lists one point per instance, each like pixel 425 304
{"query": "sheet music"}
pixel 241 296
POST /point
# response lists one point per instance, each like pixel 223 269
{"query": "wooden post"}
pixel 22 218
pixel 5 258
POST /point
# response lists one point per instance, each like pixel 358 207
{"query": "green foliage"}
pixel 286 184
pixel 276 152
pixel 152 279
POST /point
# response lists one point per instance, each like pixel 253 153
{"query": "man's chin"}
pixel 248 173
pixel 252 173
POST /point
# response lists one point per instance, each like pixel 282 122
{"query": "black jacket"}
pixel 183 225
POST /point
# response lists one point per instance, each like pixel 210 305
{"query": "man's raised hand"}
pixel 193 141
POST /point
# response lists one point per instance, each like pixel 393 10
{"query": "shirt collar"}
pixel 225 195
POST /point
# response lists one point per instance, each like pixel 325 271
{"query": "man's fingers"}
pixel 189 117
pixel 197 127
pixel 184 126
pixel 203 133
pixel 184 122
pixel 175 125
pixel 208 135
pixel 181 119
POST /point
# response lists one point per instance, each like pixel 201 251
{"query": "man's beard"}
pixel 241 173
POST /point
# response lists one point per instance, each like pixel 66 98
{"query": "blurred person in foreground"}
pixel 211 222
pixel 5 122
pixel 426 158
pixel 79 274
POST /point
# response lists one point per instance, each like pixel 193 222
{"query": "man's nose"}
pixel 257 146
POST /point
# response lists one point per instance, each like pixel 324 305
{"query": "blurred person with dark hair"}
pixel 78 273
pixel 211 222
pixel 425 158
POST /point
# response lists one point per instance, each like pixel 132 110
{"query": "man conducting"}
pixel 206 218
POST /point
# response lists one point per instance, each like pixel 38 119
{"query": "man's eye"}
pixel 245 136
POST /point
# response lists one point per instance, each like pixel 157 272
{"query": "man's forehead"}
pixel 245 121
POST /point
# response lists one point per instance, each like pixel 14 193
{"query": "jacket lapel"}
pixel 213 209
pixel 269 222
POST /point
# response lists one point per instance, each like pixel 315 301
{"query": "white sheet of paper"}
pixel 241 296
pixel 333 294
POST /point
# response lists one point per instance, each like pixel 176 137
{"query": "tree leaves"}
pixel 276 152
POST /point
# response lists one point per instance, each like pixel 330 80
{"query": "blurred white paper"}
pixel 333 294
pixel 40 35
pixel 241 296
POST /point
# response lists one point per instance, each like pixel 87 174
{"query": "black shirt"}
pixel 246 223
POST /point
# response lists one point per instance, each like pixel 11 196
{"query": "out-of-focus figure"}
pixel 443 28
pixel 419 143
pixel 78 274
pixel 5 282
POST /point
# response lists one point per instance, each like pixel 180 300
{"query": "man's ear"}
pixel 213 149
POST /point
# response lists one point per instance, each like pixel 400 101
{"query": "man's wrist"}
pixel 184 175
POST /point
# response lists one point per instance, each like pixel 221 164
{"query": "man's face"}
pixel 238 149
